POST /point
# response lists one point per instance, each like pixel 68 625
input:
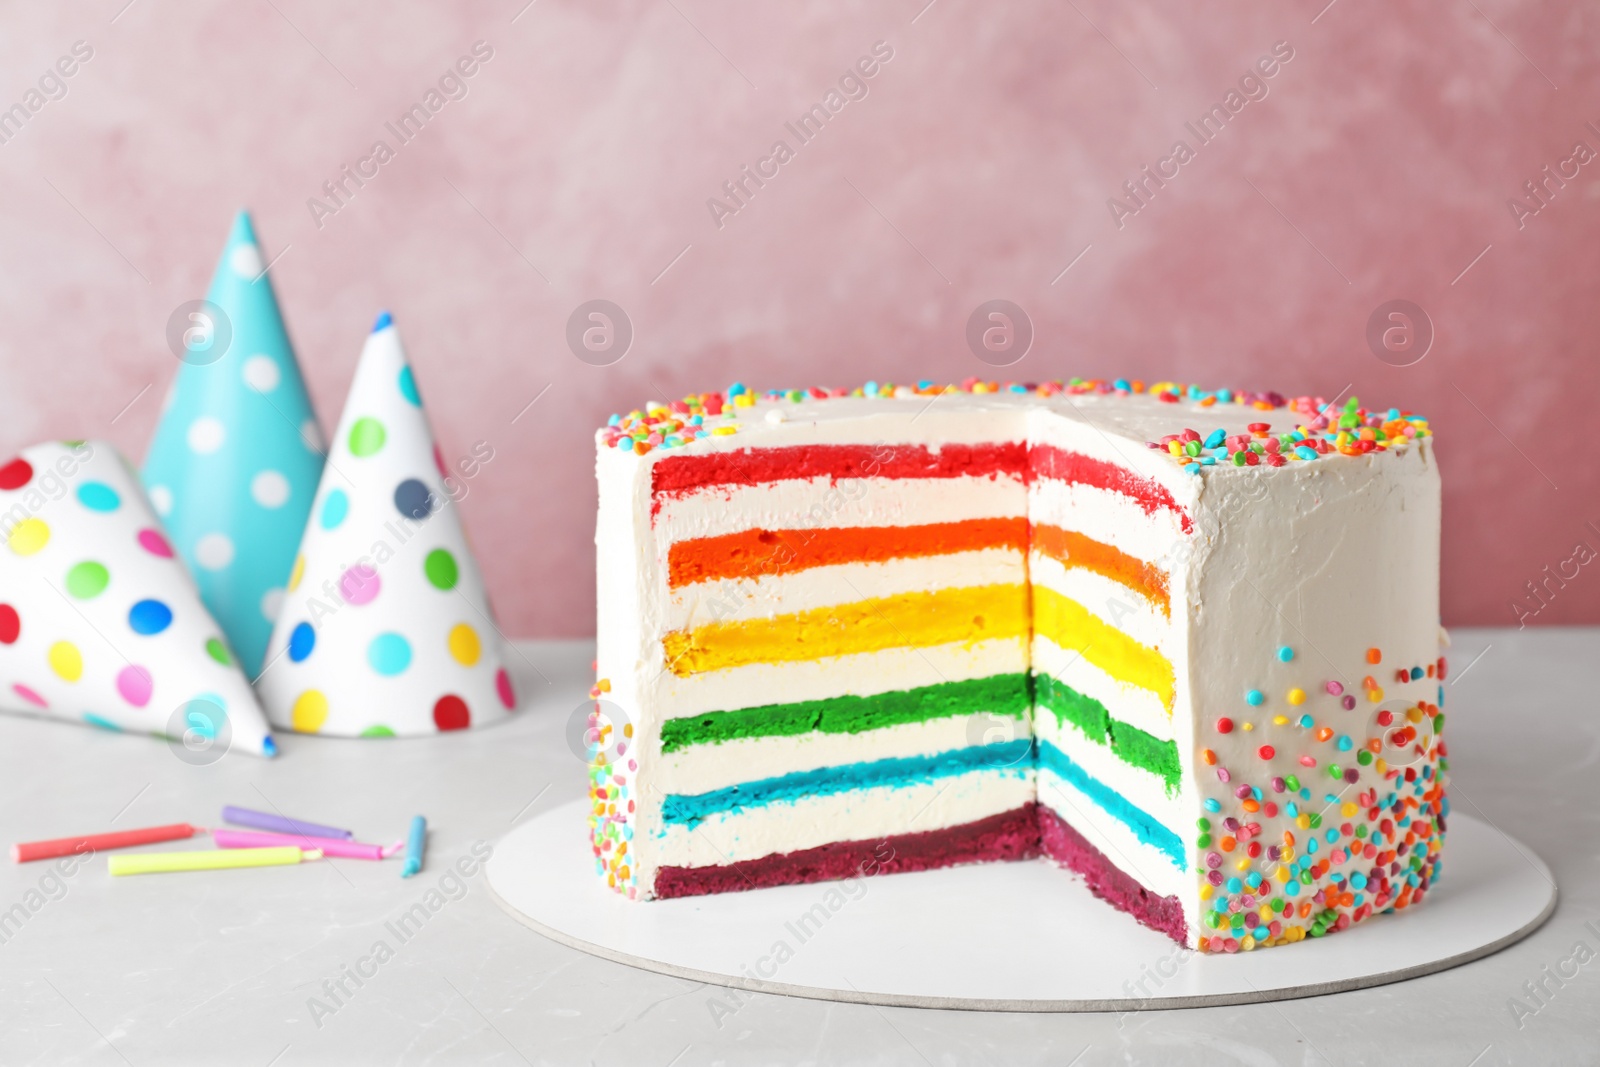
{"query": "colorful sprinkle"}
pixel 1277 882
pixel 1319 428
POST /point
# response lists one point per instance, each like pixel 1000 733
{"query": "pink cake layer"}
pixel 1011 835
pixel 1069 848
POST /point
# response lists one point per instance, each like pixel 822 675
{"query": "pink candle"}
pixel 330 846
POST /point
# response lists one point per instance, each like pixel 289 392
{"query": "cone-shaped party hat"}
pixel 386 629
pixel 99 623
pixel 237 455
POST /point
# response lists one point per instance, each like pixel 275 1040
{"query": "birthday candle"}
pixel 415 842
pixel 219 859
pixel 279 824
pixel 28 851
pixel 329 846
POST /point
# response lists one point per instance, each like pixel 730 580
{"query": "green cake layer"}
pixel 1005 695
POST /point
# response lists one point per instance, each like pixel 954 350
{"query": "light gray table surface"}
pixel 222 967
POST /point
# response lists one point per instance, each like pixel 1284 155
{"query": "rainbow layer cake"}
pixel 1183 643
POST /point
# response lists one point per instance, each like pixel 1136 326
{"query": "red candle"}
pixel 67 846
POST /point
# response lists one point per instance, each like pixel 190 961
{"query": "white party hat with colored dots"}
pixel 99 622
pixel 386 629
pixel 237 454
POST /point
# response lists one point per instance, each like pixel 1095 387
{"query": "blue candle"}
pixel 414 845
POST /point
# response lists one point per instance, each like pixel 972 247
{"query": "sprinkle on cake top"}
pixel 1319 427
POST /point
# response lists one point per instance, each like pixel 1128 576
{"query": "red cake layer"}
pixel 1047 461
pixel 677 475
pixel 1011 835
pixel 1069 848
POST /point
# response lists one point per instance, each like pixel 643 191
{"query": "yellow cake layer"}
pixel 1076 629
pixel 908 620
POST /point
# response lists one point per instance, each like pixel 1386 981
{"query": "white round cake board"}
pixel 999 936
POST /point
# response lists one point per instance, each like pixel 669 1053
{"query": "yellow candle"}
pixel 161 862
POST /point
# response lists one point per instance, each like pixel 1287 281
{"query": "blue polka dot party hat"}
pixel 238 452
pixel 99 623
pixel 386 629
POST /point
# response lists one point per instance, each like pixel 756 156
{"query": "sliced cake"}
pixel 908 627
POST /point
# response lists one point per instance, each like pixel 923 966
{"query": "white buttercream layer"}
pixel 1138 787
pixel 860 674
pixel 1129 703
pixel 1108 600
pixel 1147 865
pixel 818 503
pixel 1107 516
pixel 859 815
pixel 703 767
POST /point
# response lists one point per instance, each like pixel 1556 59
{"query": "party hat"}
pixel 386 629
pixel 236 457
pixel 99 623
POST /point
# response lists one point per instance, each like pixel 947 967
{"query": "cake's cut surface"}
pixel 903 628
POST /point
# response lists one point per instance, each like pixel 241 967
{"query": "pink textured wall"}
pixel 978 165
